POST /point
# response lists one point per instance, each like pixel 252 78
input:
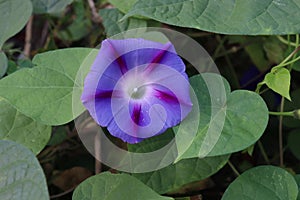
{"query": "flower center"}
pixel 137 92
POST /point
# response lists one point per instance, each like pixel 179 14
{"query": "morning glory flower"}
pixel 137 88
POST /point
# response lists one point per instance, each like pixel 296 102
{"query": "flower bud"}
pixel 297 114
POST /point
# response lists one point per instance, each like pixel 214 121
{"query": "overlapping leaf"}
pixel 13 16
pixel 21 176
pixel 44 92
pixel 114 186
pixel 229 122
pixel 263 182
pixel 19 128
pixel 249 17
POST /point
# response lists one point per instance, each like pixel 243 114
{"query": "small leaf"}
pixel 245 17
pixel 13 16
pixel 279 80
pixel 3 64
pixel 44 92
pixel 293 142
pixel 112 24
pixel 274 50
pixel 263 182
pixel 49 6
pixel 19 128
pixel 21 175
pixel 114 186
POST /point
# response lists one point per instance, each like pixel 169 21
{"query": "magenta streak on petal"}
pixel 164 96
pixel 136 113
pixel 119 59
pixel 136 117
pixel 108 94
pixel 158 57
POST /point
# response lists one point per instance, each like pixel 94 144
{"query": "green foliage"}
pixel 13 16
pixel 176 175
pixel 244 112
pixel 3 64
pixel 49 6
pixel 19 128
pixel 122 5
pixel 114 186
pixel 249 17
pixel 263 182
pixel 112 24
pixel 293 142
pixel 279 81
pixel 292 105
pixel 44 92
pixel 21 175
pixel 77 28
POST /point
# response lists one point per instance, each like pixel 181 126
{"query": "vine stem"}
pixel 96 17
pixel 280 133
pixel 28 35
pixel 263 152
pixel 97 154
pixel 287 114
pixel 233 168
pixel 284 41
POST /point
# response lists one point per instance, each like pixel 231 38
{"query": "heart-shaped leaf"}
pixel 263 182
pixel 44 92
pixel 279 80
pixel 249 17
pixel 114 186
pixel 21 175
pixel 234 122
pixel 13 16
pixel 19 128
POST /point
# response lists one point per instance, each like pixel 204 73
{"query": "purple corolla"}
pixel 137 88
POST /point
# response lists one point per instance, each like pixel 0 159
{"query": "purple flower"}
pixel 137 88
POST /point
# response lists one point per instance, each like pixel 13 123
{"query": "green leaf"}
pixel 13 16
pixel 290 106
pixel 185 171
pixel 176 175
pixel 122 5
pixel 293 142
pixel 49 6
pixel 263 182
pixel 244 116
pixel 44 92
pixel 112 25
pixel 274 49
pixel 21 175
pixel 248 17
pixel 297 178
pixel 59 135
pixel 279 80
pixel 3 64
pixel 19 128
pixel 114 186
